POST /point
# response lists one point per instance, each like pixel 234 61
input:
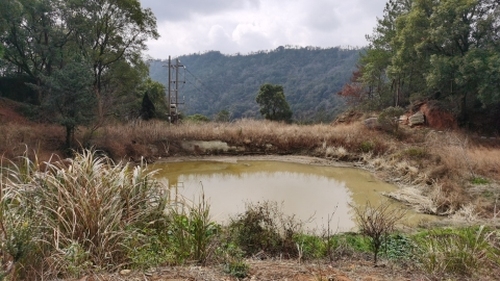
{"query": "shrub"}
pixel 377 222
pixel 148 248
pixel 230 255
pixel 238 269
pixel 263 227
pixel 389 119
pixel 366 146
pixel 415 153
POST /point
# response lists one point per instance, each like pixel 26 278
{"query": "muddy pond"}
pixel 318 195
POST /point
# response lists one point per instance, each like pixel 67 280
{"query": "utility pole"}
pixel 173 104
pixel 169 96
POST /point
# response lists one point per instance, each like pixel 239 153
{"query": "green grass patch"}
pixel 415 153
pixel 366 146
pixel 479 181
pixel 461 251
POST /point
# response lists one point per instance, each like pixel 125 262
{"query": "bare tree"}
pixel 377 222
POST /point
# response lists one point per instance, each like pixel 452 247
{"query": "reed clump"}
pixel 71 217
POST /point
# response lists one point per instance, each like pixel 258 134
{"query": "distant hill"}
pixel 311 77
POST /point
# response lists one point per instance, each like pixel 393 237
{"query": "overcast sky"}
pixel 244 26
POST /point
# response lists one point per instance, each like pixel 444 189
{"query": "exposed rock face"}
pixel 438 118
pixel 416 119
pixel 431 114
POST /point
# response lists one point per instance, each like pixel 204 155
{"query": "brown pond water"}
pixel 311 193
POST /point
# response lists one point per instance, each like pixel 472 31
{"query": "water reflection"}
pixel 307 191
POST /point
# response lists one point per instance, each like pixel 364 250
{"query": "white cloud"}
pixel 243 26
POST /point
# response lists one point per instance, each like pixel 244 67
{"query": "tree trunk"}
pixel 70 130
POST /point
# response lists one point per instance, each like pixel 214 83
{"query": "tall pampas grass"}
pixel 79 211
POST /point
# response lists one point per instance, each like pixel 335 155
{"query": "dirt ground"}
pixel 310 160
pixel 260 270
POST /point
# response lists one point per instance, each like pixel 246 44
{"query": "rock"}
pixel 372 123
pixel 125 272
pixel 403 119
pixel 416 119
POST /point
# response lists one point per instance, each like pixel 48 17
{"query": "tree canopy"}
pixel 446 49
pixel 70 97
pixel 41 37
pixel 273 104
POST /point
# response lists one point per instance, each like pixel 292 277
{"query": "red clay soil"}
pixel 437 118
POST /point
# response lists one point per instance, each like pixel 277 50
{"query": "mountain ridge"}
pixel 211 82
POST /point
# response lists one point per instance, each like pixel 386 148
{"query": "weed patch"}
pixel 464 251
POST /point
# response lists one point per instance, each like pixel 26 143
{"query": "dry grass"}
pixel 71 218
pixel 464 156
pixel 440 174
pixel 284 138
pixel 440 164
pixel 15 138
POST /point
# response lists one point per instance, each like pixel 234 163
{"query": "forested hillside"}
pixel 445 51
pixel 311 78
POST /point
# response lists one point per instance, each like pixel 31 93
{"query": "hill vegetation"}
pixel 446 51
pixel 311 78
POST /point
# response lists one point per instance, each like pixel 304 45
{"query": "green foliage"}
pixel 75 260
pixel 377 222
pixel 40 38
pixel 273 104
pixel 399 247
pixel 238 269
pixel 358 243
pixel 230 255
pixel 156 93
pixel 366 146
pixel 148 248
pixel 335 246
pixel 263 227
pixel 197 118
pixel 338 245
pixel 223 116
pixel 17 87
pixel 312 247
pixel 191 232
pixel 425 48
pixel 479 180
pixel 389 119
pixel 463 251
pixel 415 153
pixel 69 95
pixel 310 76
pixel 148 110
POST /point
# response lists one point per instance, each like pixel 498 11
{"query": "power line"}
pixel 199 80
